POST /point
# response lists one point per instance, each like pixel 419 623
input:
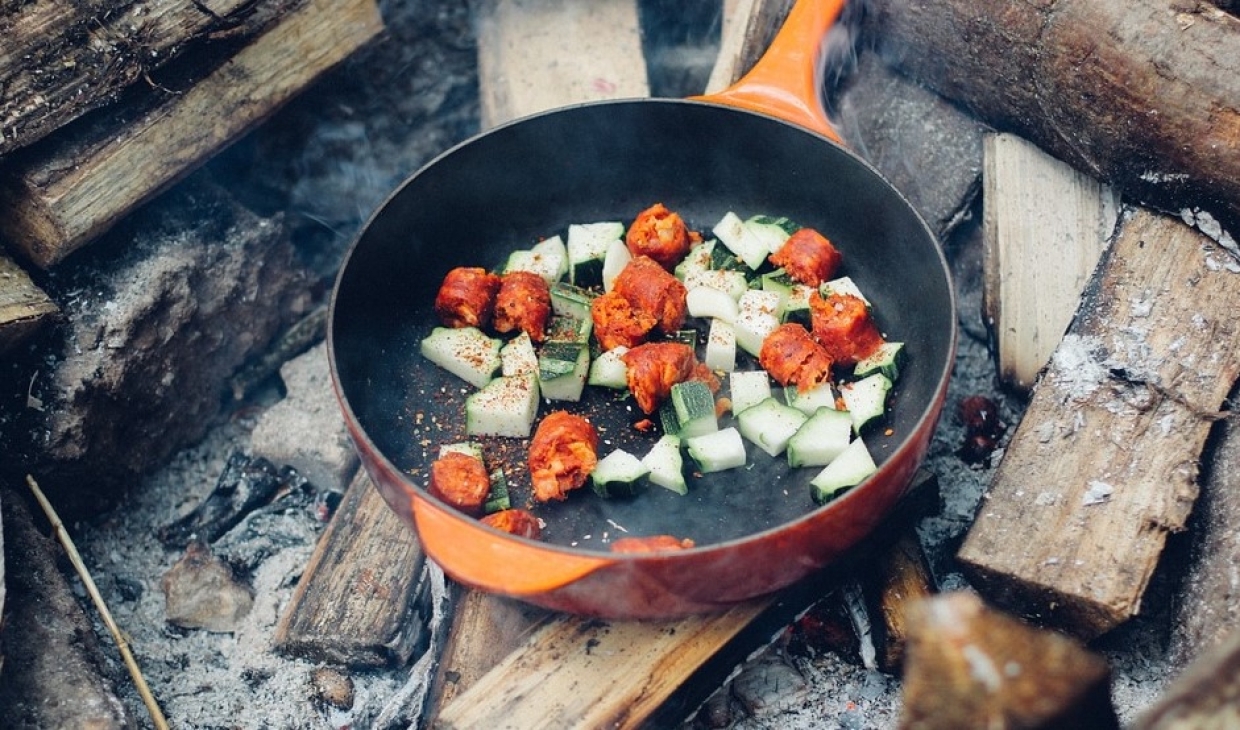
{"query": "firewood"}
pixel 1205 696
pixel 24 307
pixel 1104 462
pixel 1207 609
pixel 1142 95
pixel 749 26
pixel 60 194
pixel 525 66
pixel 357 601
pixel 1045 227
pixel 900 580
pixel 969 665
pixel 62 59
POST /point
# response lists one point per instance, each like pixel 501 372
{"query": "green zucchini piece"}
pixel 733 283
pixel 748 388
pixel 568 300
pixel 547 258
pixel 842 285
pixel 695 408
pixel 587 250
pixel 518 356
pixel 769 425
pixel 796 306
pixel 853 466
pixel 779 281
pixel 720 346
pixel 469 448
pixel 465 352
pixel 697 260
pixel 718 451
pixel 866 399
pixel 668 418
pixel 506 406
pixel 740 240
pixel 562 370
pixel 809 401
pixel 608 369
pixel 889 360
pixel 820 439
pixel 497 499
pixel 619 474
pixel 666 464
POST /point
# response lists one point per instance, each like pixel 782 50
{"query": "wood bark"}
pixel 60 194
pixel 1144 95
pixel 61 59
pixel 358 600
pixel 1103 465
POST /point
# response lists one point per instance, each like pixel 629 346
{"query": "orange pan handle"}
pixel 785 82
pixel 486 560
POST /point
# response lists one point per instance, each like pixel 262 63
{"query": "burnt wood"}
pixel 1103 465
pixel 61 59
pixel 61 193
pixel 24 307
pixel 358 601
pixel 1144 95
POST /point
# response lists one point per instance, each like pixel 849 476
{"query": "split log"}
pixel 1144 95
pixel 1045 226
pixel 60 194
pixel 1205 696
pixel 61 59
pixel 900 579
pixel 1104 462
pixel 1207 609
pixel 357 602
pixel 24 307
pixel 972 666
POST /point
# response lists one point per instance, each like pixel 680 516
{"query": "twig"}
pixel 152 706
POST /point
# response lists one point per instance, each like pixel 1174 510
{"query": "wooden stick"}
pixel 157 715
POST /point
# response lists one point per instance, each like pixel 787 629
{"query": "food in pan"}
pixel 628 310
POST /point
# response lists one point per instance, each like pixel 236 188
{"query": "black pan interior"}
pixel 517 184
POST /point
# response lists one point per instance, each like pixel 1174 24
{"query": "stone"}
pixel 200 592
pixel 333 687
pixel 306 430
pixel 158 314
pixel 53 663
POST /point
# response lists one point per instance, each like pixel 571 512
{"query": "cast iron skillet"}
pixel 756 529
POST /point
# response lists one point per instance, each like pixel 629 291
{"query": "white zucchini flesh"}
pixel 748 388
pixel 821 439
pixel 888 360
pixel 853 466
pixel 518 356
pixel 570 385
pixel 507 406
pixel 469 448
pixel 547 258
pixel 724 449
pixel 608 369
pixel 809 401
pixel 617 258
pixel 866 399
pixel 587 250
pixel 696 261
pixel 720 347
pixel 752 328
pixel 666 464
pixel 732 283
pixel 770 424
pixel 772 235
pixel 731 232
pixel 465 352
pixel 618 466
pixel 708 303
pixel 842 285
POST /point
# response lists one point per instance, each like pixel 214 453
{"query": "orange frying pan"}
pixel 761 146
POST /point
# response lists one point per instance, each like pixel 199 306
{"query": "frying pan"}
pixel 755 529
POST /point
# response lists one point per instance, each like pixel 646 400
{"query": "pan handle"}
pixel 785 81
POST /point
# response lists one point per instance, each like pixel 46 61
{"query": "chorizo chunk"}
pixel 843 326
pixel 563 452
pixel 460 480
pixel 653 368
pixel 466 297
pixel 523 303
pixel 792 356
pixel 808 257
pixel 650 289
pixel 660 234
pixel 517 522
pixel 616 323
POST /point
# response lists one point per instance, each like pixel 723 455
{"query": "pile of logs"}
pixel 103 105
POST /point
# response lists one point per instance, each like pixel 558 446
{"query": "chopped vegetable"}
pixel 619 474
pixel 465 352
pixel 724 449
pixel 769 425
pixel 853 466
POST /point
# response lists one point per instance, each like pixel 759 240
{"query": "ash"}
pixel 327 161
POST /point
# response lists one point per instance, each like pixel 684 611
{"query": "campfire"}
pixel 177 200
